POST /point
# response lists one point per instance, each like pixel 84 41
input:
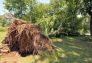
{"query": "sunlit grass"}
pixel 2 33
pixel 75 50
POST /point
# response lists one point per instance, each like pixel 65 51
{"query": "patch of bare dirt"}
pixel 12 57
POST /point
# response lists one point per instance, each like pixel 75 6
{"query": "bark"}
pixel 91 25
pixel 90 14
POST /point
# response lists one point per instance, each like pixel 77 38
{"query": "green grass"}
pixel 2 33
pixel 69 50
pixel 75 50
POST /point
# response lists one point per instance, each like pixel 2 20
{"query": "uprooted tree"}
pixel 26 38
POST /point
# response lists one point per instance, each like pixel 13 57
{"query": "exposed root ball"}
pixel 26 38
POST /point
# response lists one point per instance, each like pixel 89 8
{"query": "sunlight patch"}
pixel 75 53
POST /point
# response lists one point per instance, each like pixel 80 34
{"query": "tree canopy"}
pixel 58 15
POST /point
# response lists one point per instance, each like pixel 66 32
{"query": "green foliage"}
pixel 46 23
pixel 67 16
pixel 86 9
pixel 3 22
pixel 58 14
pixel 18 7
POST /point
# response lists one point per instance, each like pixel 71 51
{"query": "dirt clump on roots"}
pixel 26 38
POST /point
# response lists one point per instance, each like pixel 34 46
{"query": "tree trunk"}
pixel 91 25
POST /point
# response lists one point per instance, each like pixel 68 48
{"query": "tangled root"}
pixel 26 38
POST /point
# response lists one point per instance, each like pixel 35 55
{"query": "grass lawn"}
pixel 2 33
pixel 69 50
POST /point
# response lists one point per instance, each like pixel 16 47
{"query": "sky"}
pixel 44 1
pixel 2 10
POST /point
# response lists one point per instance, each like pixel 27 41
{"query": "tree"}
pixel 56 15
pixel 87 7
pixel 66 12
pixel 17 7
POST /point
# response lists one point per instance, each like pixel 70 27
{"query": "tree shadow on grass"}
pixel 73 51
pixel 68 50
